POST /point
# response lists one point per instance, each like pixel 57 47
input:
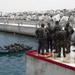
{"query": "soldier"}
pixel 42 39
pixel 56 29
pixel 61 38
pixel 69 31
pixel 49 30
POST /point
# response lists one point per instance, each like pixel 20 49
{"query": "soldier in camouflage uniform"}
pixel 69 31
pixel 61 38
pixel 56 29
pixel 50 32
pixel 42 39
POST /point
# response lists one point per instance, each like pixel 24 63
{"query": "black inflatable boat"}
pixel 14 48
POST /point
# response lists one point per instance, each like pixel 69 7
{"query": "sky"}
pixel 35 5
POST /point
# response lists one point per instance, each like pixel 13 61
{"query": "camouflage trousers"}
pixel 42 45
pixel 59 45
pixel 68 44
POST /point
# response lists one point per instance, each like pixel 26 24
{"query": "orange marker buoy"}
pixel 40 55
pixel 49 55
pixel 14 34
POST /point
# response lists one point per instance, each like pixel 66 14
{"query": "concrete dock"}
pixel 37 65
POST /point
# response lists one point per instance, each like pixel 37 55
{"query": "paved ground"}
pixel 69 59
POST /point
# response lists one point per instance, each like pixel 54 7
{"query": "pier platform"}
pixel 37 65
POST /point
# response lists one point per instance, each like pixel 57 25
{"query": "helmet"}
pixel 42 25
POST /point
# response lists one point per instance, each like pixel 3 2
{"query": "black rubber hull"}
pixel 4 51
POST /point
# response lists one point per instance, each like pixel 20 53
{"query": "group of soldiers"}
pixel 56 37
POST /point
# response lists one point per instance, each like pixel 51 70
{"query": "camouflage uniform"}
pixel 56 29
pixel 42 39
pixel 69 31
pixel 49 30
pixel 61 38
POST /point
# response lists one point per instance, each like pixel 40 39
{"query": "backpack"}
pixel 70 30
pixel 57 28
pixel 61 35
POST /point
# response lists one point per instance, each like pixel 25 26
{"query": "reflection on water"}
pixel 14 63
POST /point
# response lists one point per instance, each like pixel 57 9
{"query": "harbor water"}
pixel 14 63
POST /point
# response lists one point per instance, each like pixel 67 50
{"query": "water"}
pixel 14 63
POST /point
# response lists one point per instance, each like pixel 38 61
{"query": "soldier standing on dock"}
pixel 61 38
pixel 69 31
pixel 49 30
pixel 57 28
pixel 42 39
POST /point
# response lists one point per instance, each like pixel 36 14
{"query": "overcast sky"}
pixel 37 5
